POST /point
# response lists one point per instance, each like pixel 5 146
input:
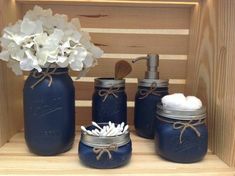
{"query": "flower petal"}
pixel 4 55
pixel 29 27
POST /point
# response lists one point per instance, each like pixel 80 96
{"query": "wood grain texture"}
pixel 145 3
pixel 211 73
pixel 123 17
pixel 10 85
pixel 168 69
pixel 141 43
pixel 16 159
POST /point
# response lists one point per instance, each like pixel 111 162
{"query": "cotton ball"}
pixel 175 101
pixel 193 103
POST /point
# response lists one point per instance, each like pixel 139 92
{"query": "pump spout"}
pixel 138 58
pixel 152 65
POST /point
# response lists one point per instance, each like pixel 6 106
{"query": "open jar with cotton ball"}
pixel 180 131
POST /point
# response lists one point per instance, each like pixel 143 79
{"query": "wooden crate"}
pixel 195 40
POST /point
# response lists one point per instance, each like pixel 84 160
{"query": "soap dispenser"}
pixel 150 91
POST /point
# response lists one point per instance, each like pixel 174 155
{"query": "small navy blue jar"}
pixel 181 136
pixel 105 152
pixel 49 111
pixel 149 94
pixel 109 101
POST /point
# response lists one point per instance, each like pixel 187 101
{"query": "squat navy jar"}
pixel 109 101
pixel 181 135
pixel 49 111
pixel 149 94
pixel 105 152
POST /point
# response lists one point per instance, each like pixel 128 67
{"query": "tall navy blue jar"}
pixel 49 111
pixel 150 92
pixel 105 152
pixel 109 101
pixel 181 136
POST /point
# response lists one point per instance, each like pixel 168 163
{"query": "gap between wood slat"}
pixel 133 56
pixel 138 31
pixel 134 2
pixel 128 80
pixel 87 103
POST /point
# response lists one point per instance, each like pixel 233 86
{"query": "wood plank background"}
pixel 10 86
pixel 211 73
pixel 208 68
pixel 126 33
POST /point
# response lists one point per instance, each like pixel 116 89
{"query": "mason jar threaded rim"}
pixel 109 82
pixel 179 114
pixel 149 82
pixel 105 141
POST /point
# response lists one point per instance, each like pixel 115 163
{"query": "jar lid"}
pixel 109 82
pixel 181 114
pixel 105 141
pixel 150 82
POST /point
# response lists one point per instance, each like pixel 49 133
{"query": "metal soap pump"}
pixel 150 91
pixel 152 65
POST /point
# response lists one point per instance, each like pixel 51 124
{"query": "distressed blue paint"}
pixel 49 114
pixel 119 158
pixel 167 142
pixel 113 109
pixel 145 112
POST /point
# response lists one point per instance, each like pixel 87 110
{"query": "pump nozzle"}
pixel 152 65
pixel 138 58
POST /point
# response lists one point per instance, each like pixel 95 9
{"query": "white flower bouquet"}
pixel 42 39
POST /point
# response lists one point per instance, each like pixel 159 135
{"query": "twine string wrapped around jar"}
pixel 111 91
pixel 180 125
pixel 45 74
pixel 146 92
pixel 101 150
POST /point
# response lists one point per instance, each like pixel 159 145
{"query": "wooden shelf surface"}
pixel 17 160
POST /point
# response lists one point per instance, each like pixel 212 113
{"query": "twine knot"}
pixel 106 92
pixel 146 92
pixel 101 150
pixel 179 125
pixel 45 74
pixel 183 126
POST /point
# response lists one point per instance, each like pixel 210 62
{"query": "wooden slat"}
pixel 16 159
pixel 211 74
pixel 168 69
pixel 140 43
pixel 124 17
pixel 10 85
pixel 84 115
pixel 162 3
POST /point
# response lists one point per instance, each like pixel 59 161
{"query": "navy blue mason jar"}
pixel 149 94
pixel 181 135
pixel 109 101
pixel 105 152
pixel 49 111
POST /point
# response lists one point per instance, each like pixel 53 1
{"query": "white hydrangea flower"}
pixel 41 39
pixel 30 62
pixel 15 66
pixel 29 27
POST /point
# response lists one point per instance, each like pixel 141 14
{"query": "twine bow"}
pixel 179 125
pixel 184 125
pixel 101 150
pixel 45 74
pixel 106 92
pixel 146 92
